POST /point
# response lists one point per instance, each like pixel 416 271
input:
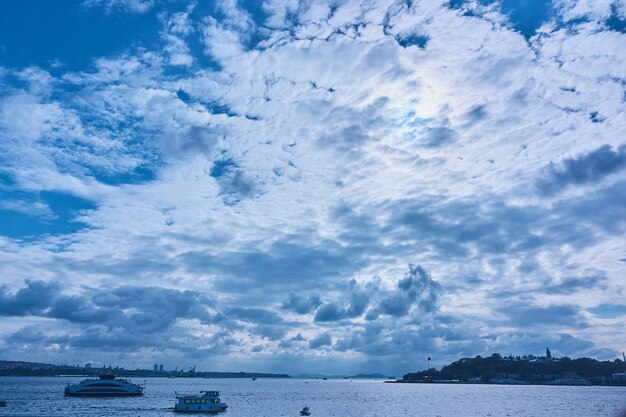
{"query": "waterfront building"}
pixel 619 377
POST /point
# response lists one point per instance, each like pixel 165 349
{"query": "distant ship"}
pixel 305 412
pixel 105 386
pixel 205 402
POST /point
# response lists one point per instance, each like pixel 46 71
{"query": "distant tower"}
pixel 156 367
pixel 161 368
pixel 548 354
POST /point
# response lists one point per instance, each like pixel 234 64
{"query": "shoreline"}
pixel 522 383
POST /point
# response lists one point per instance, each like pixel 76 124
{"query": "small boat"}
pixel 305 412
pixel 3 403
pixel 254 379
pixel 205 402
pixel 106 385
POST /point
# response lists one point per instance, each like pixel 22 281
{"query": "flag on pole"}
pixel 429 358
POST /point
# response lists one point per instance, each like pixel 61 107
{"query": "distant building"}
pixel 161 368
pixel 619 377
pixel 88 365
pixel 548 353
pixel 156 367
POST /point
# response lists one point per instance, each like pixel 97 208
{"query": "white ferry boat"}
pixel 205 402
pixel 104 386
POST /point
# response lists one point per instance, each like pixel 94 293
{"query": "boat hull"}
pixel 211 410
pixel 103 394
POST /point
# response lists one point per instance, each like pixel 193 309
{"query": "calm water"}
pixel 340 398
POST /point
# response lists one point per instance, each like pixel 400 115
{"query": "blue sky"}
pixel 334 186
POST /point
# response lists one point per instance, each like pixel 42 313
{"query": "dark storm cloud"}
pixel 324 339
pixel 522 315
pixel 560 343
pixel 31 300
pixel 136 309
pixel 493 227
pixel 547 285
pixel 416 288
pixel 452 228
pixel 290 263
pixel 359 299
pixel 300 304
pixel 582 169
pixel 330 312
pixel 125 318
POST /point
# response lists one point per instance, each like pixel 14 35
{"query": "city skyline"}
pixel 333 186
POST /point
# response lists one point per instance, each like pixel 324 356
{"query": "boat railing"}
pixel 203 394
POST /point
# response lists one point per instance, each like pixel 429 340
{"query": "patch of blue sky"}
pixel 184 96
pixel 222 167
pixel 5 180
pixel 50 34
pixel 609 311
pixel 526 16
pixel 29 216
pixel 614 22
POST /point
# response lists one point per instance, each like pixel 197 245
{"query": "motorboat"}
pixel 105 385
pixel 205 402
pixel 305 412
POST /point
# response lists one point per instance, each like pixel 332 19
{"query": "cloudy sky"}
pixel 311 186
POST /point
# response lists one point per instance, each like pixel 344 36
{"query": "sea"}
pixel 36 396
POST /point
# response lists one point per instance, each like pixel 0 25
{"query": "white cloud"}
pixel 177 27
